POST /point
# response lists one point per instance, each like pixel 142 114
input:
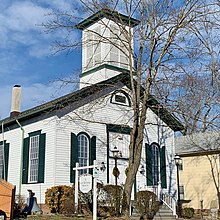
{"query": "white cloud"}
pixel 61 5
pixel 39 50
pixel 18 23
pixel 23 16
pixel 21 25
pixel 22 43
pixel 65 5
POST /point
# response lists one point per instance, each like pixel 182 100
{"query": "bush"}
pixel 147 203
pixel 60 199
pixel 110 200
pixel 188 212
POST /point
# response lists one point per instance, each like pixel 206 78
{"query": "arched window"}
pixel 83 152
pixel 155 163
pixel 120 97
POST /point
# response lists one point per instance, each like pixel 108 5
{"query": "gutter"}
pixel 21 160
pixel 3 145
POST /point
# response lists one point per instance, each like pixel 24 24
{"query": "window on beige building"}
pixel 181 189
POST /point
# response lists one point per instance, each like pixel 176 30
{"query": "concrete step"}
pixel 171 217
pixel 164 213
pixel 164 217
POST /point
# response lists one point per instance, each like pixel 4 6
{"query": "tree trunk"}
pixel 218 193
pixel 134 162
pixel 135 150
pixel 127 192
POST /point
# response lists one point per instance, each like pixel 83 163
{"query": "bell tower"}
pixel 104 46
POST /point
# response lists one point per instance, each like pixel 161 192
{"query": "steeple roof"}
pixel 107 13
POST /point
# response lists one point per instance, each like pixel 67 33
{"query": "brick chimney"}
pixel 15 101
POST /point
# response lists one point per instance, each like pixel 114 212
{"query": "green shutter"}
pixel 163 173
pixel 149 174
pixel 73 156
pixel 41 160
pixel 92 152
pixel 25 160
pixel 6 155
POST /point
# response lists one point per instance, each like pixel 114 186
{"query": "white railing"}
pixel 169 201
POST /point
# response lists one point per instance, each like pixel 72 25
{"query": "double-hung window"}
pixel 181 192
pixel 83 152
pixel 34 158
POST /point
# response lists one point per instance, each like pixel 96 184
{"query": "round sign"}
pixel 85 183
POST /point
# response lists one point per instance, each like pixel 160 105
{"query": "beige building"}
pixel 199 173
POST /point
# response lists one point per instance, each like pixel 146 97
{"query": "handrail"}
pixel 169 201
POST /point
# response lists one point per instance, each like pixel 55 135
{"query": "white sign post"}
pixel 94 193
pixel 76 188
pixel 77 168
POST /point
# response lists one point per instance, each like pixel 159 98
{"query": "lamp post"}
pixel 178 162
pixel 115 153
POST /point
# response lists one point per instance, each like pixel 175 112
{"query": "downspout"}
pixel 3 150
pixel 21 160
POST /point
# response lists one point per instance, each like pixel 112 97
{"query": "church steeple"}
pixel 104 45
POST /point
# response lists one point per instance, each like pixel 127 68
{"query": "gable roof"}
pixel 107 13
pixel 198 144
pixel 81 97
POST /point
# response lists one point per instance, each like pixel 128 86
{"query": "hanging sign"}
pixel 85 183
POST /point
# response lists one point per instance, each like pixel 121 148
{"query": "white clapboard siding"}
pixel 92 119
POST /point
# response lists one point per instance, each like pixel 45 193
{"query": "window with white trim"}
pixel 34 158
pixel 181 166
pixel 181 189
pixel 1 161
pixel 120 98
pixel 83 152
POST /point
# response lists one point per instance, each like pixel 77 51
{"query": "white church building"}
pixel 39 147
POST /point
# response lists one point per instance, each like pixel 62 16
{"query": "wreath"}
pixel 116 172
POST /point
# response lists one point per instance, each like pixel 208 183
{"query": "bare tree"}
pixel 196 101
pixel 192 91
pixel 158 46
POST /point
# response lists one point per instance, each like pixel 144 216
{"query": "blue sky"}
pixel 25 53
